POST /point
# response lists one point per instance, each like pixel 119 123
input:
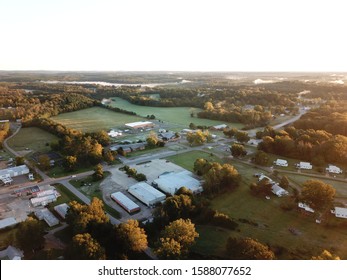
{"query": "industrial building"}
pixel 146 194
pixel 43 200
pixel 129 205
pixel 140 125
pixel 171 182
pixel 8 222
pixel 61 209
pixel 47 216
pixel 7 174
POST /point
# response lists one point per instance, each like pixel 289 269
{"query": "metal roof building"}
pixel 146 193
pixel 139 125
pixel 171 182
pixel 4 223
pixel 129 205
pixel 14 171
pixel 43 200
pixel 61 209
pixel 47 216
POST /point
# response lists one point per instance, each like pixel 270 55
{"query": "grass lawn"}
pixel 32 138
pixel 92 189
pixel 341 187
pixel 94 119
pixel 174 115
pixel 186 160
pixel 58 171
pixel 66 196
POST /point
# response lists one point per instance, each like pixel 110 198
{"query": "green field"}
pixel 340 187
pixel 32 138
pixel 94 119
pixel 272 222
pixel 65 196
pixel 175 115
pixel 186 160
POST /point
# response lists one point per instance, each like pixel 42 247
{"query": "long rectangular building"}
pixel 129 205
pixel 146 193
pixel 140 125
pixel 14 171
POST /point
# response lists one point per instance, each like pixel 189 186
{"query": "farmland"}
pixel 94 119
pixel 32 139
pixel 178 115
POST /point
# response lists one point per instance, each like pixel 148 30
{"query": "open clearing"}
pixel 272 223
pixel 175 115
pixel 30 139
pixel 94 119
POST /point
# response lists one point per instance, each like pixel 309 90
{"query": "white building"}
pixel 43 200
pixel 277 190
pixel 281 162
pixel 11 253
pixel 146 193
pixel 114 133
pixel 47 216
pixel 129 205
pixel 305 207
pixel 340 212
pixel 171 182
pixel 304 165
pixel 334 169
pixel 219 127
pixel 61 209
pixel 8 222
pixel 140 125
pixel 9 173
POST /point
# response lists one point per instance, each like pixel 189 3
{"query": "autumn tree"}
pixel 44 162
pixel 20 161
pixel 317 194
pixel 230 132
pixel 178 206
pixel 242 136
pixel 180 232
pixel 79 216
pixel 70 163
pixel 284 183
pixel 98 173
pixel 197 138
pixel 261 158
pixel 84 247
pixel 247 249
pixel 326 255
pixel 131 237
pixel 201 166
pixel 238 150
pixel 168 249
pixel 29 235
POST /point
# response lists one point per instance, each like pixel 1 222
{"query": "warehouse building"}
pixel 61 209
pixel 146 194
pixel 171 182
pixel 7 174
pixel 43 200
pixel 47 216
pixel 129 205
pixel 140 125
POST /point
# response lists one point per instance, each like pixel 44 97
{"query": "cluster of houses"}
pixel 339 212
pixel 167 183
pixel 307 165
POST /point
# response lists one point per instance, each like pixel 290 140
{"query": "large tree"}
pixel 242 136
pixel 201 166
pixel 84 247
pixel 70 163
pixel 182 232
pixel 98 172
pixel 247 249
pixel 238 150
pixel 317 194
pixel 130 237
pixel 29 235
pixel 261 158
pixel 169 249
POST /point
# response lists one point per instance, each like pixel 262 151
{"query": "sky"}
pixel 173 35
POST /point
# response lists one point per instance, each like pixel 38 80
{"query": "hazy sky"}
pixel 211 35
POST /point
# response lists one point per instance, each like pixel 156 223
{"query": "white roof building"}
pixel 47 216
pixel 14 171
pixel 4 223
pixel 11 253
pixel 146 193
pixel 304 165
pixel 171 182
pixel 220 126
pixel 334 169
pixel 61 209
pixel 305 207
pixel 277 190
pixel 340 212
pixel 281 162
pixel 129 205
pixel 139 125
pixel 43 200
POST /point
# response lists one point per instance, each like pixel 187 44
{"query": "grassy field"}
pixel 32 138
pixel 66 196
pixel 187 160
pixel 94 119
pixel 176 115
pixel 340 187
